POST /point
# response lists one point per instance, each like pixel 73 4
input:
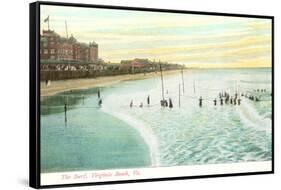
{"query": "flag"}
pixel 46 19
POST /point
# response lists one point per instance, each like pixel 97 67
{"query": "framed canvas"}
pixel 126 94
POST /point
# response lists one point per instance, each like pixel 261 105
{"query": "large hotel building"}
pixel 56 48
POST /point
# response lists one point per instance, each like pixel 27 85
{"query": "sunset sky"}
pixel 194 40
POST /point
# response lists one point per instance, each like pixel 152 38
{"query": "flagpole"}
pixel 162 80
pixel 66 29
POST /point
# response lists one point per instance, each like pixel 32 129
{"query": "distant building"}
pixel 93 52
pixel 147 65
pixel 65 50
pixel 56 48
pixel 136 63
pixel 49 45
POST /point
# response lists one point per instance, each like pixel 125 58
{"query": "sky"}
pixel 204 41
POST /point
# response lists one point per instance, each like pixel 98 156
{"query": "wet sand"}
pixel 73 84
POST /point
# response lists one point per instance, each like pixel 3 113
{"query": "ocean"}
pixel 115 135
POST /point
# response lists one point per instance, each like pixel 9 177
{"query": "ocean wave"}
pixel 256 81
pixel 250 117
pixel 145 132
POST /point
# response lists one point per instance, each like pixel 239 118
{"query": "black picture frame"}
pixel 34 91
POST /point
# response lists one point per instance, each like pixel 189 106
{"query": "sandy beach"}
pixel 73 84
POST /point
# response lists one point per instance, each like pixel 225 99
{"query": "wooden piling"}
pixel 182 79
pixel 162 81
pixel 65 114
pixel 194 87
pixel 179 95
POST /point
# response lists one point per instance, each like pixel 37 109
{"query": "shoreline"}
pixel 75 84
pixel 146 134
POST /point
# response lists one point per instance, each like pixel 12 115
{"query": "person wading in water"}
pixel 221 101
pixel 148 100
pixel 100 102
pixel 215 102
pixel 200 101
pixel 98 93
pixel 170 103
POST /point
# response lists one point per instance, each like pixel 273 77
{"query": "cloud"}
pixel 182 38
